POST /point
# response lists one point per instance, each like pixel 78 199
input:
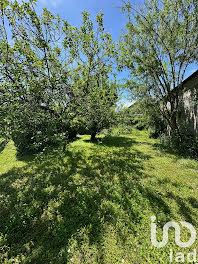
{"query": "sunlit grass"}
pixel 93 203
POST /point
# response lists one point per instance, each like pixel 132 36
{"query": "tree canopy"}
pixel 160 42
pixel 54 78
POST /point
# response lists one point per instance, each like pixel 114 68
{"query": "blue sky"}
pixel 114 19
pixel 71 10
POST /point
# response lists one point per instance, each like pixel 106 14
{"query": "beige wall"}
pixel 188 105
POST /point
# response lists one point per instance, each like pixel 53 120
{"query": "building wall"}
pixel 188 105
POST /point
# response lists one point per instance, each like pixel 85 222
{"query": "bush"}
pixel 118 130
pixel 35 141
pixel 184 143
pixel 33 134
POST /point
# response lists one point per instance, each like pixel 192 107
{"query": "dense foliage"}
pixel 54 78
pixel 160 42
pixel 93 94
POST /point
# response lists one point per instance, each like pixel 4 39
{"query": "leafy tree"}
pixel 160 43
pixel 33 78
pixel 125 116
pixel 149 117
pixel 94 93
pixel 50 75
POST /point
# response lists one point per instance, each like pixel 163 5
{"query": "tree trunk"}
pixel 93 136
pixel 173 119
pixel 175 127
pixel 64 147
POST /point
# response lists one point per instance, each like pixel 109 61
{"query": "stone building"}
pixel 188 104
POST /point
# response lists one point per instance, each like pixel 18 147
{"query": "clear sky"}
pixel 114 19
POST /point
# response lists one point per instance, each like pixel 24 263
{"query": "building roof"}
pixel 186 83
pixel 191 76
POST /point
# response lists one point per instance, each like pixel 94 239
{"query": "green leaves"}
pixel 58 76
pixel 159 44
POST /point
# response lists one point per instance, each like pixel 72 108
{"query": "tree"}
pixel 49 74
pixel 34 86
pixel 147 116
pixel 160 43
pixel 94 93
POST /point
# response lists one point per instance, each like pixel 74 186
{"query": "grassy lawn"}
pixel 93 203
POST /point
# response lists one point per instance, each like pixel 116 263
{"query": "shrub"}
pixel 33 134
pixel 183 143
pixel 118 130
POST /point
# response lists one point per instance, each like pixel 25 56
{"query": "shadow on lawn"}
pixel 110 141
pixel 187 207
pixel 47 203
pixel 165 149
pixel 2 145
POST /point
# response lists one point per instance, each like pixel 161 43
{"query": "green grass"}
pixel 93 203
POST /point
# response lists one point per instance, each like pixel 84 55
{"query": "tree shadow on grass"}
pixel 165 149
pixel 3 145
pixel 49 202
pixel 180 197
pixel 113 141
pixel 186 206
